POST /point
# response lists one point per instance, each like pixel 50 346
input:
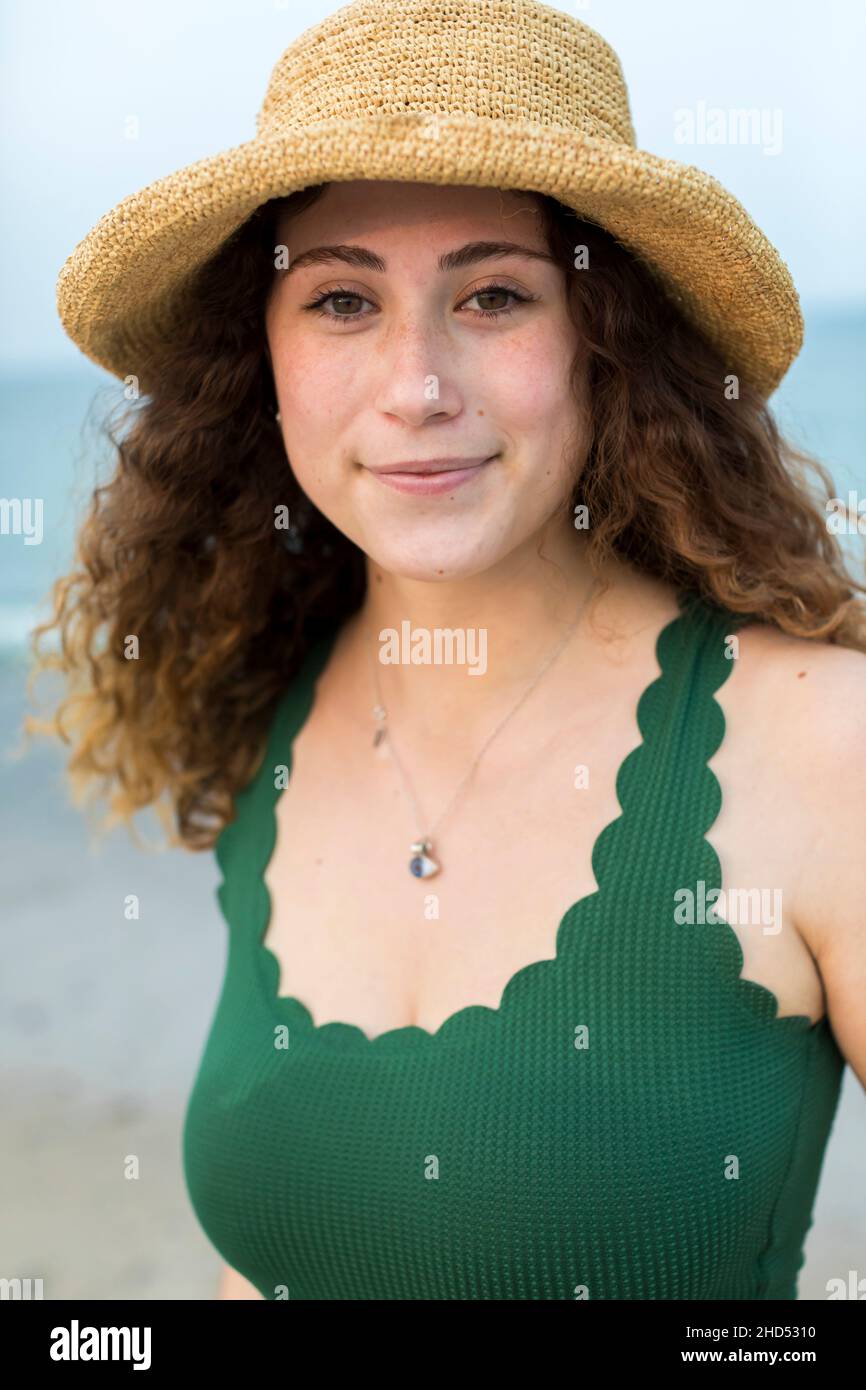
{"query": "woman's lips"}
pixel 431 484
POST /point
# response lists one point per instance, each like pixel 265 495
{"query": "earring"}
pixel 277 417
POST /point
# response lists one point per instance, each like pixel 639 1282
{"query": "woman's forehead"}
pixel 347 210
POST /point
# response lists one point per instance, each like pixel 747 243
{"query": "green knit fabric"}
pixel 632 1122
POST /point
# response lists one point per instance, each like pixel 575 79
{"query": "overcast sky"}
pixel 194 72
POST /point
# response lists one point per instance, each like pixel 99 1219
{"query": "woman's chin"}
pixel 433 564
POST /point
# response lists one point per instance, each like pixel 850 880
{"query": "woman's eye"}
pixel 491 292
pixel 336 295
pixel 341 296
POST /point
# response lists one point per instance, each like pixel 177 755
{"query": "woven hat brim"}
pixel 120 291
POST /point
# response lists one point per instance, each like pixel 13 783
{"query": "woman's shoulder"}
pixel 795 710
pixel 796 713
pixel 814 686
pixel 806 702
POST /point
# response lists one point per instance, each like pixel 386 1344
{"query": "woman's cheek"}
pixel 529 370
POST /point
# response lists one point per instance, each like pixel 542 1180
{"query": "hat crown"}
pixel 505 60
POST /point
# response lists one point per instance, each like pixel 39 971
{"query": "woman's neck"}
pixel 457 654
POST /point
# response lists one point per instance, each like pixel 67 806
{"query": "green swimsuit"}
pixel 632 1122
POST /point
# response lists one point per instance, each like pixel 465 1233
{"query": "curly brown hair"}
pixel 183 549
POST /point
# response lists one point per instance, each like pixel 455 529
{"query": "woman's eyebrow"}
pixel 473 251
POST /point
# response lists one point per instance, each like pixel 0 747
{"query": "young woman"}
pixel 489 629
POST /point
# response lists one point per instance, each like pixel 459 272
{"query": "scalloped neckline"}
pixel 754 997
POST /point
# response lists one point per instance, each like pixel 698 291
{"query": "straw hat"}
pixel 497 93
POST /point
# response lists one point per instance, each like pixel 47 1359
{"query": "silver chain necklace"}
pixel 422 864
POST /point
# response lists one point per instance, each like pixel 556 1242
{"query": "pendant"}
pixel 421 865
pixel 379 715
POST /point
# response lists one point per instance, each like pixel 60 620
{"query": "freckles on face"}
pixel 313 385
pixel 519 384
pixel 527 381
pixel 355 396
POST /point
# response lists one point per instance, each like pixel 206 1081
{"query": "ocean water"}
pixel 49 441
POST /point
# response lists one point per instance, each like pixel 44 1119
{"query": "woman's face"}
pixel 405 360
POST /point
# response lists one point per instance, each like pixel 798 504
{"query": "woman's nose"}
pixel 418 370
